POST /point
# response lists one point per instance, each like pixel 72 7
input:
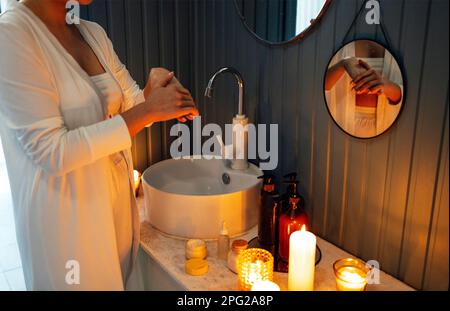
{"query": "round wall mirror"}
pixel 364 88
pixel 280 21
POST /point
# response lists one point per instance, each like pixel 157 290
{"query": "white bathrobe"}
pixel 59 145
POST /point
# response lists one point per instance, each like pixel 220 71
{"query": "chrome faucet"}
pixel 240 81
pixel 240 138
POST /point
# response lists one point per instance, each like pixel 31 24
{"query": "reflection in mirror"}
pixel 364 88
pixel 279 20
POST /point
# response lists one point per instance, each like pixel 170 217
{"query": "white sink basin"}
pixel 188 198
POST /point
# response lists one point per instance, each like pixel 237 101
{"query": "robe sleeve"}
pixel 133 95
pixel 29 106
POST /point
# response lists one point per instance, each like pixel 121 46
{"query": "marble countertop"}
pixel 169 253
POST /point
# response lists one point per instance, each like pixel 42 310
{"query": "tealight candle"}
pixel 351 274
pixel 265 286
pixel 254 264
pixel 302 260
pixel 137 181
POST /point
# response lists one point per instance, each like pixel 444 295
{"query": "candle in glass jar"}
pixel 254 264
pixel 302 257
pixel 351 274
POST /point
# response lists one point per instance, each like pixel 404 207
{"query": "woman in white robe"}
pixel 67 149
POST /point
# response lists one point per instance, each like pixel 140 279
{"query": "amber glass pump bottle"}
pixel 291 219
pixel 268 214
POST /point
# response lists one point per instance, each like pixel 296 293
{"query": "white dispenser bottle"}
pixel 223 243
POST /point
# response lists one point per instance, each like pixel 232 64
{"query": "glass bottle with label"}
pixel 291 219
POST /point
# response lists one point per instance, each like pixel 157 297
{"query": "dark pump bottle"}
pixel 268 215
pixel 291 218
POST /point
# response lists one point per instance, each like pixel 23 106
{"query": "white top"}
pixel 366 117
pixel 60 147
pixel 121 205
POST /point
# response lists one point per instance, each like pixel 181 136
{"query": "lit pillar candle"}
pixel 302 257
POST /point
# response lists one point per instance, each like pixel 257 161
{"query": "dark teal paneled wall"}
pixel 384 198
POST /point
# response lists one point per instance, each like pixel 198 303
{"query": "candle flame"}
pixel 136 174
pixel 303 228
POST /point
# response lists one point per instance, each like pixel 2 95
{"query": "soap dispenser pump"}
pixel 289 179
pixel 291 219
pixel 268 214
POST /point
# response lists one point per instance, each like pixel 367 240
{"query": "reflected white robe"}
pixel 59 146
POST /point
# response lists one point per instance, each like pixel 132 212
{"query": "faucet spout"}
pixel 210 88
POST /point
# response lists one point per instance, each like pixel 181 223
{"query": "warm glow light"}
pixel 137 180
pixel 302 259
pixel 265 286
pixel 254 265
pixel 350 275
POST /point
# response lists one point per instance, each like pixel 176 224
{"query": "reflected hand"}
pixel 368 82
pixel 371 82
pixel 353 67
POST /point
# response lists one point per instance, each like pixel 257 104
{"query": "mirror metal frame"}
pixel 405 87
pixel 295 39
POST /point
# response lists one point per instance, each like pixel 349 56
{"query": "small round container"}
pixel 254 264
pixel 236 248
pixel 196 267
pixel 195 249
pixel 351 274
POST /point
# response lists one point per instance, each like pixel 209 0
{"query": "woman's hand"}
pixel 353 67
pixel 161 77
pixel 368 82
pixel 158 77
pixel 335 72
pixel 164 101
pixel 170 102
pixel 371 82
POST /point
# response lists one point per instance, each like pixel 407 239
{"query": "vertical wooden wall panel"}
pixel 412 40
pixel 341 142
pixel 384 198
pixel 428 137
pixel 135 59
pixel 436 268
pixel 150 38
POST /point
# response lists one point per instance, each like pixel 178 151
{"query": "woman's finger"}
pixel 182 90
pixel 193 111
pixel 186 103
pixel 363 75
pixel 378 89
pixel 366 87
pixel 358 86
pixel 364 64
pixel 165 80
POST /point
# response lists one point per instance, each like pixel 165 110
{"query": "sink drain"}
pixel 226 178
